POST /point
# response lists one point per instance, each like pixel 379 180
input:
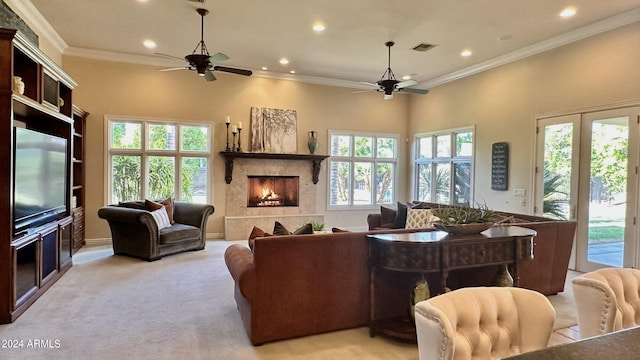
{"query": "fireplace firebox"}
pixel 272 191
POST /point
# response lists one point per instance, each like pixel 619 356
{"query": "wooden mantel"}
pixel 229 156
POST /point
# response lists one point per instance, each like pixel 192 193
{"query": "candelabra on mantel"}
pixel 239 149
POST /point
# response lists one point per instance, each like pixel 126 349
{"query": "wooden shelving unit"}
pixel 78 184
pixel 31 261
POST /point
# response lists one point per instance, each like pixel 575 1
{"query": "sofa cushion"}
pixel 133 205
pixel 177 233
pixel 161 217
pixel 279 229
pixel 256 232
pixel 420 219
pixel 387 217
pixel 401 216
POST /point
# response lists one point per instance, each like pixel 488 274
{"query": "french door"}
pixel 587 171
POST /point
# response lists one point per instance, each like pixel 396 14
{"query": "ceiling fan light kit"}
pixel 202 62
pixel 388 84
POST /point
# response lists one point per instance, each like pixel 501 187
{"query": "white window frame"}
pixel 451 160
pixel 144 152
pixel 353 159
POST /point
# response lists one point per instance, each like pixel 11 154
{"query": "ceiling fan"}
pixel 389 85
pixel 200 60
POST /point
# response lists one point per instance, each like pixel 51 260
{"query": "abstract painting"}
pixel 273 130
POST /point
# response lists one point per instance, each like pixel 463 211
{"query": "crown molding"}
pixel 26 10
pixel 584 32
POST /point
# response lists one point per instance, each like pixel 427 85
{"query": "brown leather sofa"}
pixel 547 272
pixel 297 285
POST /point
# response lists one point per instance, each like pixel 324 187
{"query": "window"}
pixel 443 167
pixel 158 159
pixel 362 169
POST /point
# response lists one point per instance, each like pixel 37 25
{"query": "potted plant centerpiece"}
pixel 464 220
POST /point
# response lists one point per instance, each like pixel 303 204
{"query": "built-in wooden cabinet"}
pixel 79 187
pixel 34 257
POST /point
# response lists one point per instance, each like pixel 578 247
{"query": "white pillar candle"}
pixel 228 119
pixel 234 129
pixel 239 124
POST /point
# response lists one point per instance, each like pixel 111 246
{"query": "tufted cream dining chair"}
pixel 483 323
pixel 607 300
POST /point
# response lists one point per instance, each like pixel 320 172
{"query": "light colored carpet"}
pixel 179 307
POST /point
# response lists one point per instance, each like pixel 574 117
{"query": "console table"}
pixel 436 251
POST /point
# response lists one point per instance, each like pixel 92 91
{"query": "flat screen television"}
pixel 40 178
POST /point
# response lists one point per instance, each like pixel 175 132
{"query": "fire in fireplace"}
pixel 272 191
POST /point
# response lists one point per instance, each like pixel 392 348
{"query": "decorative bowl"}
pixel 464 229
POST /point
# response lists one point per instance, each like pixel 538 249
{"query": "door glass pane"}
pixel 162 137
pixel 607 191
pixel 462 184
pixel 424 182
pixel 340 145
pixel 384 183
pixel 194 179
pixel 339 183
pixel 443 146
pixel 362 183
pixel 126 178
pixel 558 140
pixel 425 147
pixel 363 146
pixel 162 177
pixel 443 175
pixel 386 148
pixel 125 135
pixel 195 138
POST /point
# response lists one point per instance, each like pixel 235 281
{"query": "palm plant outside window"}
pixel 156 159
pixel 443 167
pixel 362 169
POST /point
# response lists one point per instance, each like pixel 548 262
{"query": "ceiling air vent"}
pixel 422 47
pixel 197 1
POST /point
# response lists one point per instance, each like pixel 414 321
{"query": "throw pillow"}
pixel 279 229
pixel 420 219
pixel 387 217
pixel 152 205
pixel 401 216
pixel 161 218
pixel 256 232
pixel 168 203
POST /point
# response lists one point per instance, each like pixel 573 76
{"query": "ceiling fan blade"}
pixel 362 91
pixel 219 57
pixel 172 69
pixel 414 91
pixel 233 70
pixel 406 83
pixel 209 76
pixel 369 84
pixel 170 56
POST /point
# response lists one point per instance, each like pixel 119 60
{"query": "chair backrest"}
pixel 483 323
pixel 607 300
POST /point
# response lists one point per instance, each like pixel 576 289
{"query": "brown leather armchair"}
pixel 135 233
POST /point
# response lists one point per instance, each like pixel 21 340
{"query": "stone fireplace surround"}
pixel 240 219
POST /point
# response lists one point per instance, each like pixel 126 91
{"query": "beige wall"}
pixel 503 103
pixel 135 90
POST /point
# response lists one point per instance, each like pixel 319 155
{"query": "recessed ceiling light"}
pixel 318 27
pixel 466 53
pixel 284 61
pixel 264 68
pixel 292 72
pixel 568 12
pixel 149 44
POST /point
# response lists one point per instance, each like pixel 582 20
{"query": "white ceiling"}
pixel 257 33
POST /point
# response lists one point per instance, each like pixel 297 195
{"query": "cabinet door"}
pixel 65 231
pixel 25 261
pixel 49 260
